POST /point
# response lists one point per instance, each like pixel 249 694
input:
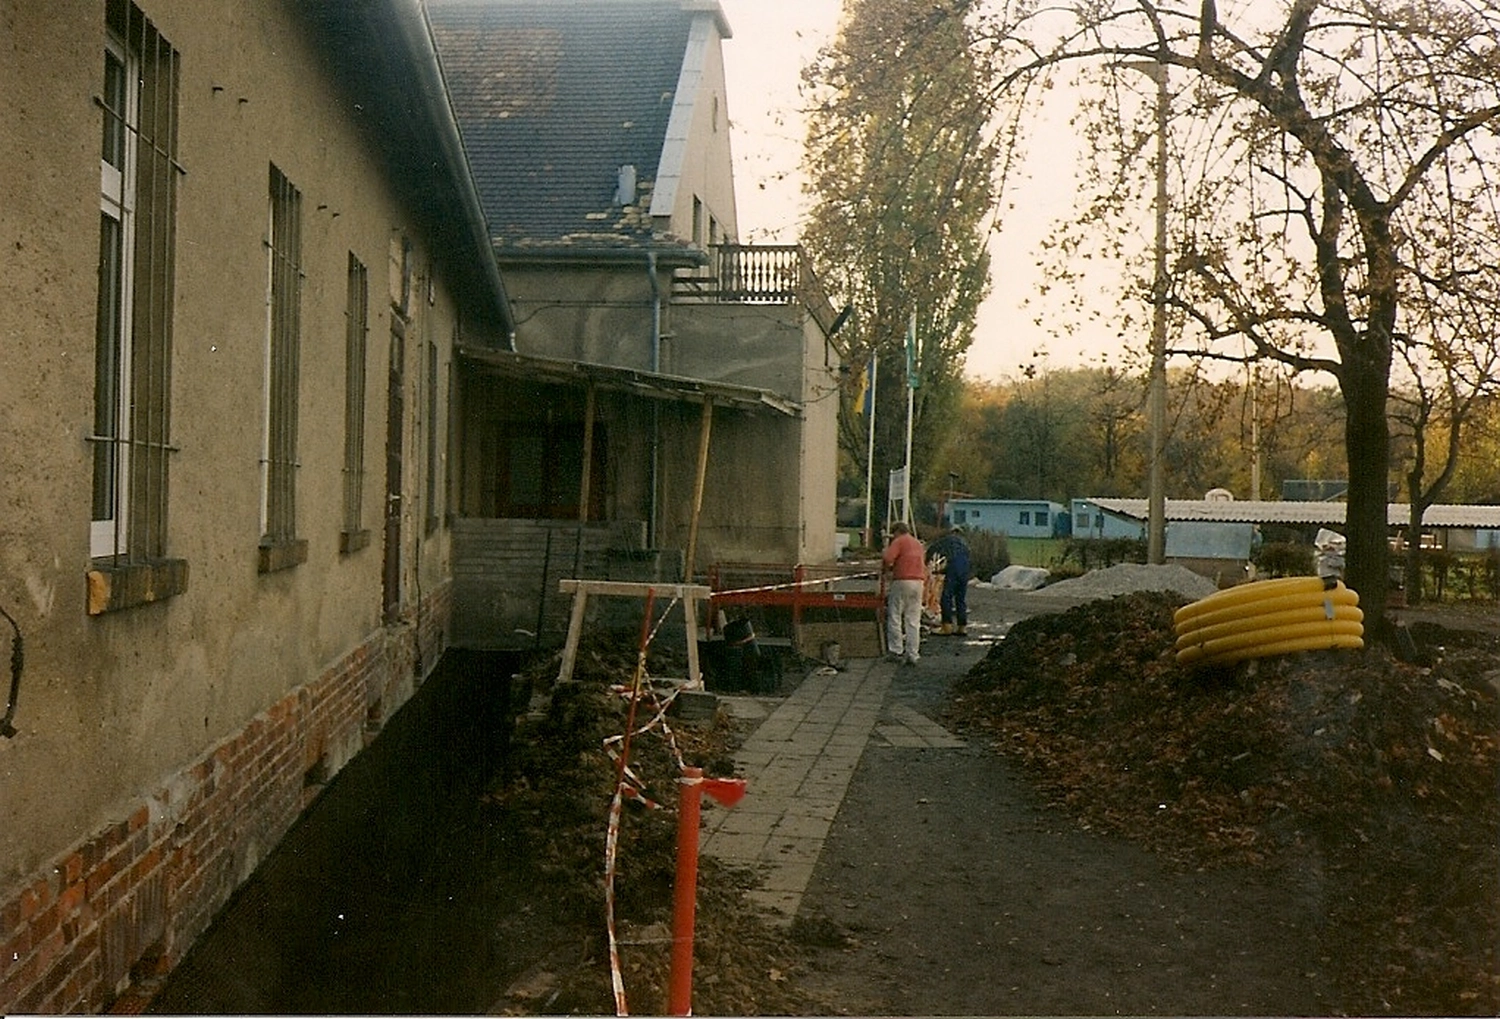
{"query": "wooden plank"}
pixel 588 454
pixel 690 614
pixel 804 599
pixel 635 589
pixel 575 633
pixel 705 431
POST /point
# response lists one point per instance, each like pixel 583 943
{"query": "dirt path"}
pixel 945 886
pixel 960 893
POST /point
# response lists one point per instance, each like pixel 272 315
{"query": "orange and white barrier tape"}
pixel 792 585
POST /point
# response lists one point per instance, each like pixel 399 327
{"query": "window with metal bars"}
pixel 432 438
pixel 279 545
pixel 131 433
pixel 354 534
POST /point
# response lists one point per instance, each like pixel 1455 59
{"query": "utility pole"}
pixel 869 539
pixel 1255 430
pixel 1156 380
pixel 911 396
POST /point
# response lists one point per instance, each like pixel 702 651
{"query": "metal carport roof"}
pixel 1289 512
pixel 610 378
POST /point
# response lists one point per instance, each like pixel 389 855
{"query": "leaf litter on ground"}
pixel 1384 775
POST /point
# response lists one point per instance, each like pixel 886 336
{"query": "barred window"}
pixel 432 437
pixel 356 346
pixel 131 433
pixel 279 545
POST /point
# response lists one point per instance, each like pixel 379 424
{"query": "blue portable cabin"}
pixel 1093 519
pixel 1017 518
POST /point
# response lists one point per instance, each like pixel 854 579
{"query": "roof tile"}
pixel 552 98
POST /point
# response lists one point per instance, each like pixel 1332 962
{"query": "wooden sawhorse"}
pixel 689 594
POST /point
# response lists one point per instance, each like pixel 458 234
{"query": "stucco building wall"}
pixel 705 168
pixel 164 748
pixel 779 348
pixel 600 314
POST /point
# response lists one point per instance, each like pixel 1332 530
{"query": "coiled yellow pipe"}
pixel 1320 599
pixel 1255 591
pixel 1266 620
pixel 1268 617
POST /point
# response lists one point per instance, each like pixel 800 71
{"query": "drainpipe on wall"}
pixel 412 23
pixel 655 313
pixel 653 522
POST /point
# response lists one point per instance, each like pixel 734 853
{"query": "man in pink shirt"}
pixel 904 564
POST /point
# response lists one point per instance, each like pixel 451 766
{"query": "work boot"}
pixel 961 630
pixel 945 630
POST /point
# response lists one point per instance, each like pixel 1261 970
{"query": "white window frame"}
pixel 117 188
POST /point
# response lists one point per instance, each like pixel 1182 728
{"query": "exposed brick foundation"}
pixel 92 931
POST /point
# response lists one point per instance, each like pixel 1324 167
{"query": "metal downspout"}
pixel 653 522
pixel 414 25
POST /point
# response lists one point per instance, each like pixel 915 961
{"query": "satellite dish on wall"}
pixel 1218 495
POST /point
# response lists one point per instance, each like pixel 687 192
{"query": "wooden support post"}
pixel 703 440
pixel 575 631
pixel 690 615
pixel 584 487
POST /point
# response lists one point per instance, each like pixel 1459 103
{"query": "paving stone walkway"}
pixel 799 761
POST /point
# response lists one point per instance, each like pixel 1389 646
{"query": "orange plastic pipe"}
pixel 685 893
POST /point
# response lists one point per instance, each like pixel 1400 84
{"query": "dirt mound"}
pixel 1379 775
pixel 558 791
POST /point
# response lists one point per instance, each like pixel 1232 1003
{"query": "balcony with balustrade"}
pixel 763 274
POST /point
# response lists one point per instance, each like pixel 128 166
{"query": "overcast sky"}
pixel 773 40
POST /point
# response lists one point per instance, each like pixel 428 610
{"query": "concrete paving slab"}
pixel 900 736
pixel 791 877
pixel 737 847
pixel 743 823
pixel 818 806
pixel 785 850
pixel 782 904
pixel 801 826
pixel 798 763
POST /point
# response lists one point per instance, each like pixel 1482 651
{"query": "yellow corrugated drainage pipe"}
pixel 1268 617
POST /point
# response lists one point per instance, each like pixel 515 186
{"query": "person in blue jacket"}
pixel 954 601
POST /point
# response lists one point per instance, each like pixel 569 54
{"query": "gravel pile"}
pixel 1128 577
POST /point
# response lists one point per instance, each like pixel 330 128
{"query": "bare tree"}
pixel 1452 370
pixel 1324 150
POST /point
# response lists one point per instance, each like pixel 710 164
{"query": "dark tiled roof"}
pixel 552 98
pixel 384 65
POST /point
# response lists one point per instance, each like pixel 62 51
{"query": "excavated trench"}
pixel 385 896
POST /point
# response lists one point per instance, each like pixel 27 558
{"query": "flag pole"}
pixel 870 451
pixel 911 391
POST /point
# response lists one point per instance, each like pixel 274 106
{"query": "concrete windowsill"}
pixel 282 555
pixel 113 587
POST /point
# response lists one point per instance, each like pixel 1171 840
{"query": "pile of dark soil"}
pixel 1381 777
pixel 558 789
